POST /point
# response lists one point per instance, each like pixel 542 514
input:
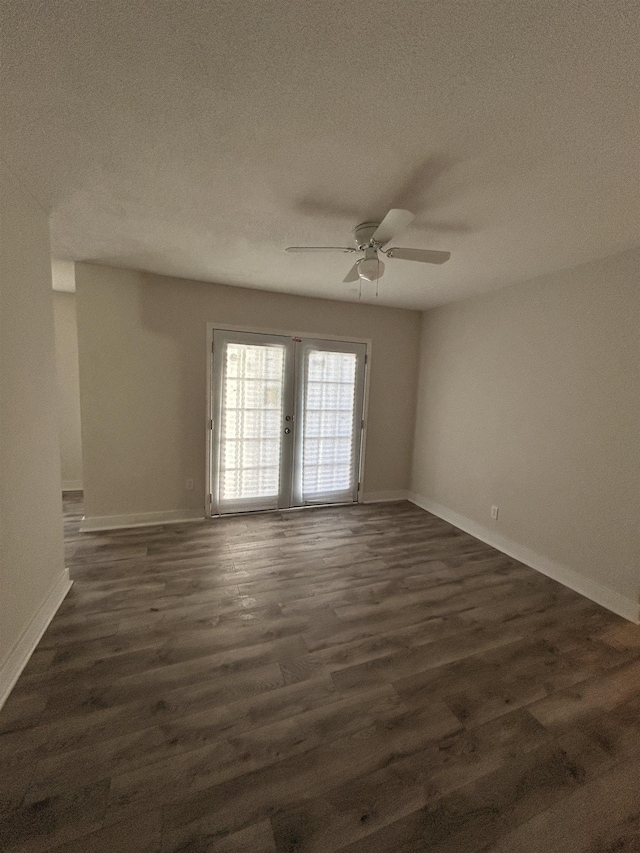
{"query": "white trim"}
pixel 383 497
pixel 72 485
pixel 287 333
pixel 609 598
pixel 19 655
pixel 142 519
pixel 208 427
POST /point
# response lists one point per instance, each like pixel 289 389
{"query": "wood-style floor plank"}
pixel 363 678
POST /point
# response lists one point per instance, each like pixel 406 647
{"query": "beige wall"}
pixel 66 336
pixel 142 342
pixel 31 557
pixel 529 399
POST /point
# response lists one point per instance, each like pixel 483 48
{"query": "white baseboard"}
pixel 72 485
pixel 143 519
pixel 620 604
pixel 19 655
pixel 383 497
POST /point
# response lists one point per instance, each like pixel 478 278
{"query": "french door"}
pixel 286 421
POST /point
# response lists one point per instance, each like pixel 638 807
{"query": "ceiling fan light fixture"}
pixel 370 269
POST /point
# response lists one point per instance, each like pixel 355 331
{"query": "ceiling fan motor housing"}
pixel 364 232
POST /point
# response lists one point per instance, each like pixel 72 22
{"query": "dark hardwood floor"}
pixel 362 678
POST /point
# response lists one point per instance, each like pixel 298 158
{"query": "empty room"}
pixel 319 426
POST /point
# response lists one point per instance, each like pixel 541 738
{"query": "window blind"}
pixel 250 437
pixel 328 427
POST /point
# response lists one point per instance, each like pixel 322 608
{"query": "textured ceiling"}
pixel 199 138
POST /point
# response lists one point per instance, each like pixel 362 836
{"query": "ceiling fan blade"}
pixel 425 256
pixel 300 249
pixel 353 274
pixel 395 221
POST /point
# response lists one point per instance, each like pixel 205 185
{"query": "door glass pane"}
pixel 328 430
pixel 251 433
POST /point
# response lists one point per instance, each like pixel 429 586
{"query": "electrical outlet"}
pixel 189 485
pixel 494 513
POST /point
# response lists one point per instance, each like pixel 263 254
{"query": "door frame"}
pixel 261 330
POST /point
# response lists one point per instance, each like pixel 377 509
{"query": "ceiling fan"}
pixel 370 237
